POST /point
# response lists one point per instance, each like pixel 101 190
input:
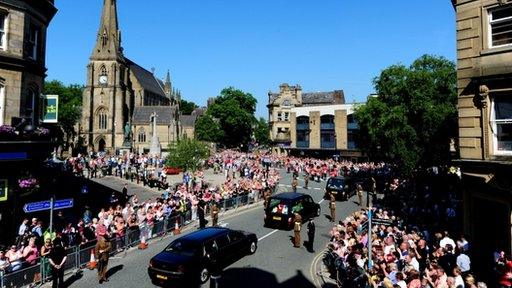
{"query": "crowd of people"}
pixel 126 220
pixel 411 241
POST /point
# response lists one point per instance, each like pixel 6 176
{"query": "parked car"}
pixel 340 187
pixel 281 208
pixel 191 258
pixel 172 170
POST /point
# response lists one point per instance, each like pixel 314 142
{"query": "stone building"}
pixel 484 82
pixel 117 88
pixel 23 27
pixel 315 123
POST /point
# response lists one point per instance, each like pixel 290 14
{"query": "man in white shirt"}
pixel 446 240
pixel 23 227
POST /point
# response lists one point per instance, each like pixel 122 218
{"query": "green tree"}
pixel 235 111
pixel 187 107
pixel 262 132
pixel 70 102
pixel 414 115
pixel 187 154
pixel 208 129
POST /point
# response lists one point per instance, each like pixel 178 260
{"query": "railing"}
pixel 79 257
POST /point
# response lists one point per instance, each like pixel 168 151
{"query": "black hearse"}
pixel 281 207
pixel 191 258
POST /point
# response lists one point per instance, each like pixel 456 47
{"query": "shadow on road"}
pixel 75 277
pixel 114 270
pixel 254 277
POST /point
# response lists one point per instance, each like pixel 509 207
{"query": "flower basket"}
pixel 28 185
pixel 7 132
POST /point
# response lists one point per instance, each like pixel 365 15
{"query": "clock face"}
pixel 103 79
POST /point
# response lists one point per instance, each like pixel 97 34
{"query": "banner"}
pixel 51 109
pixel 3 189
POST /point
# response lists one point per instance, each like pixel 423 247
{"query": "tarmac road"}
pixel 276 263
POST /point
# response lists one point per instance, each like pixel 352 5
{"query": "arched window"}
pixel 142 135
pixel 29 104
pixel 327 135
pixel 103 70
pixel 102 119
pixel 303 132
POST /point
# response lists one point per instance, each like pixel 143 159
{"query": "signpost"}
pixel 48 205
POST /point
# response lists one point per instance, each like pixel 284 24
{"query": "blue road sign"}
pixel 45 205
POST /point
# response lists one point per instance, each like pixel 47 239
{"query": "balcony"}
pixel 283 137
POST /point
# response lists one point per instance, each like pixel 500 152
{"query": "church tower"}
pixel 106 105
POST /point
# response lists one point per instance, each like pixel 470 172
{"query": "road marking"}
pixel 321 201
pixel 261 238
pixel 312 268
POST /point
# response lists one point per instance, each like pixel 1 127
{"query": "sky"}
pixel 256 45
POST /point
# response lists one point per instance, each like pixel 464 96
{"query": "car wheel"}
pixel 253 247
pixel 204 275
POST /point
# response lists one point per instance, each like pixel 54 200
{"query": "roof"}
pixel 146 79
pixel 288 195
pixel 331 97
pixel 188 120
pixel 204 234
pixel 142 114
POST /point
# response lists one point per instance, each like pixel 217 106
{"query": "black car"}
pixel 340 187
pixel 190 258
pixel 281 207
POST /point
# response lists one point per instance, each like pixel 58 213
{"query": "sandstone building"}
pixel 318 124
pixel 23 26
pixel 484 82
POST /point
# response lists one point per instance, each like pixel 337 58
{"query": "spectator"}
pixel 15 258
pixel 4 262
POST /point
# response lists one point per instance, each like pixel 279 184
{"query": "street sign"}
pixel 45 205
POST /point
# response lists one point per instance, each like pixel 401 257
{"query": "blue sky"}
pixel 257 45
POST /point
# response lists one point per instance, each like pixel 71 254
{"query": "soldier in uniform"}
pixel 332 207
pixel 266 197
pixel 306 180
pixel 102 251
pixel 311 235
pixel 359 190
pixel 294 184
pixel 296 230
pixel 215 214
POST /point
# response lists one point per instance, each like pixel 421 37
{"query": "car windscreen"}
pixel 183 247
pixel 278 206
pixel 335 183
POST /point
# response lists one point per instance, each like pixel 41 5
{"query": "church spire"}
pixel 108 42
pixel 168 85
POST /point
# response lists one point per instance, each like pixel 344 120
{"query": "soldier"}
pixel 296 230
pixel 311 235
pixel 359 190
pixel 266 197
pixel 332 207
pixel 215 214
pixel 306 180
pixel 294 184
pixel 102 251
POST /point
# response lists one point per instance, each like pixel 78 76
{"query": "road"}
pixel 276 263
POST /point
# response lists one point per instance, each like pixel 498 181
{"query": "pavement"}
pixel 275 264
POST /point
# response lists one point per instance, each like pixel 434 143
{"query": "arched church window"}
pixel 102 119
pixel 103 70
pixel 104 37
pixel 142 135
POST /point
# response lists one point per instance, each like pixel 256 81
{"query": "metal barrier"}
pixel 78 257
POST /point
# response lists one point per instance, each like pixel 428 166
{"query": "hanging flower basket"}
pixel 28 185
pixel 7 132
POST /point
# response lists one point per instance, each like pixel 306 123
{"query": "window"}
pixel 500 27
pixel 29 104
pixel 302 132
pixel 102 119
pixel 286 116
pixel 286 103
pixel 327 134
pixel 3 31
pixel 501 120
pixel 279 116
pixel 2 104
pixel 33 42
pixel 142 135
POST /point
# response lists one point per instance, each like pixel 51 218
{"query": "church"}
pixel 124 105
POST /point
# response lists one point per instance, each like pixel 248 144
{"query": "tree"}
pixel 234 110
pixel 414 115
pixel 70 102
pixel 187 107
pixel 208 129
pixel 262 132
pixel 187 154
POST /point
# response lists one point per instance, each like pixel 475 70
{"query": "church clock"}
pixel 103 79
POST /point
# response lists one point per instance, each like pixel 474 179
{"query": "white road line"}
pixel 263 237
pixel 321 201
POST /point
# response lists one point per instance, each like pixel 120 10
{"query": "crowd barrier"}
pixel 79 257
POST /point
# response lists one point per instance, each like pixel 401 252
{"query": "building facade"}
pixel 314 123
pixel 116 86
pixel 23 26
pixel 484 81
